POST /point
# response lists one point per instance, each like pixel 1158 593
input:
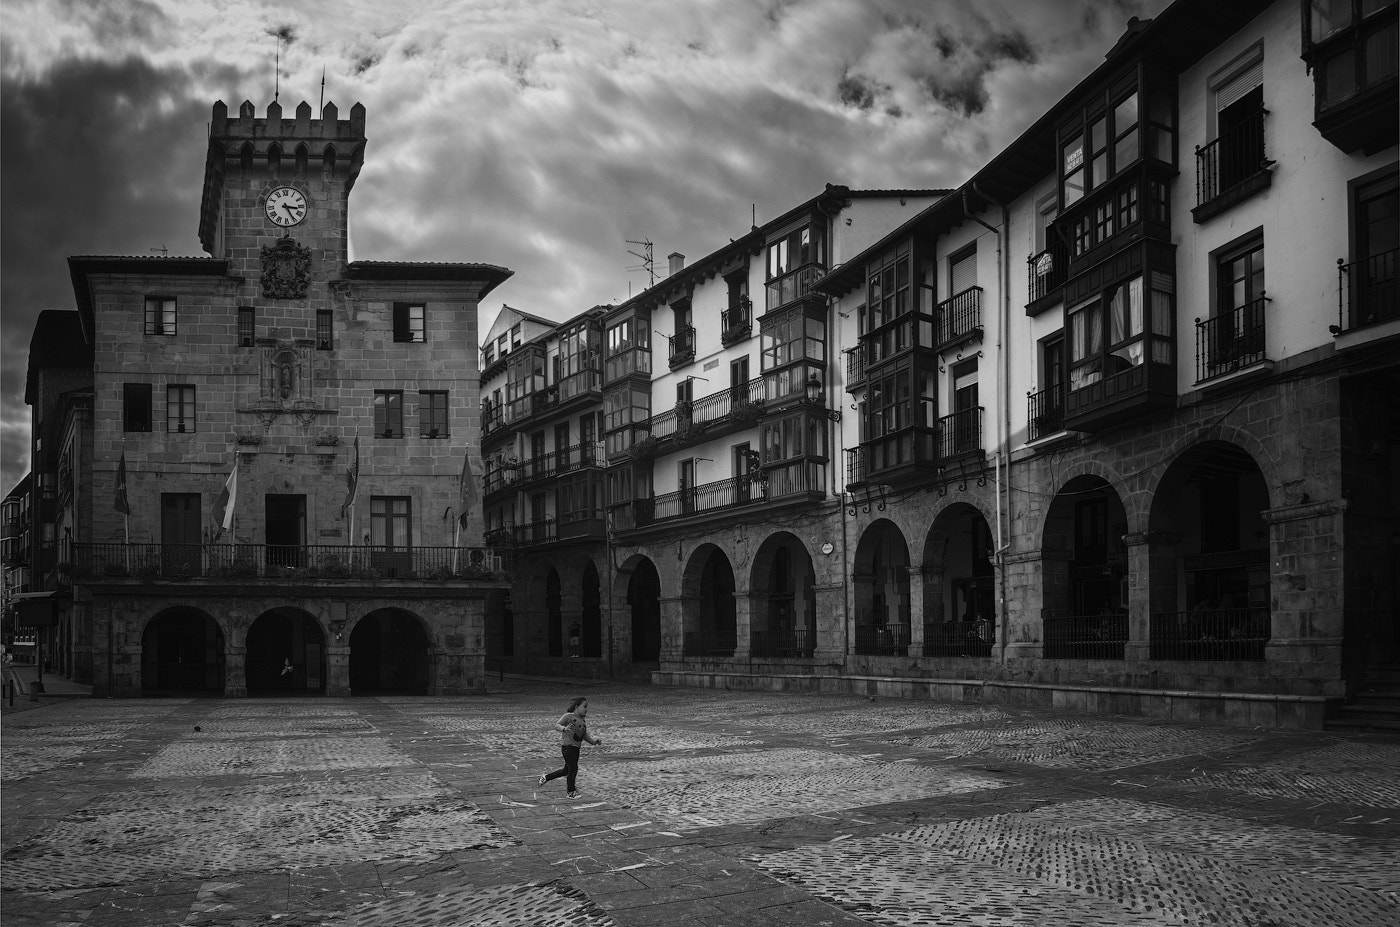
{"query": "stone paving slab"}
pixel 703 808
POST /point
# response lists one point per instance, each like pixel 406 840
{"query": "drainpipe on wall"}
pixel 1004 388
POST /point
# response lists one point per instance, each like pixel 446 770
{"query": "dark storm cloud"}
pixel 857 91
pixel 99 158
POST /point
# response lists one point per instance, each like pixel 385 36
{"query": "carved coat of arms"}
pixel 286 270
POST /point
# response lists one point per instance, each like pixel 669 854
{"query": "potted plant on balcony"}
pixel 745 412
pixel 643 449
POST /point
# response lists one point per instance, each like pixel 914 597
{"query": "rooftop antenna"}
pixel 753 214
pixel 648 264
pixel 164 251
pixel 323 91
pixel 277 70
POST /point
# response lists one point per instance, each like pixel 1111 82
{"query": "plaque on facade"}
pixel 286 270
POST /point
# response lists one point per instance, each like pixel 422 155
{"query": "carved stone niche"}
pixel 284 384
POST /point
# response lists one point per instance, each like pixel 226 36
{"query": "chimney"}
pixel 677 262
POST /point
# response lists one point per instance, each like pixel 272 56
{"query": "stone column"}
pixel 235 672
pixel 338 669
pixel 672 632
pixel 833 629
pixel 918 615
pixel 1047 569
pixel 1153 565
pixel 1307 587
pixel 746 607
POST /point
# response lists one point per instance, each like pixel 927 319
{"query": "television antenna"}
pixel 648 263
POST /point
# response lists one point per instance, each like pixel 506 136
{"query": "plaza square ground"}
pixel 702 807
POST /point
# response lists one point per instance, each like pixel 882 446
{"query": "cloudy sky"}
pixel 536 134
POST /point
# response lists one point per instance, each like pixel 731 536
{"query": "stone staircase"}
pixel 1375 705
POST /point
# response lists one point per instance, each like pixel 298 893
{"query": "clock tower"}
pixel 276 197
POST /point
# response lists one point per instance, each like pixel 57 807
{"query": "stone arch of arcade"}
pixel 881 590
pixel 639 584
pixel 782 598
pixel 1207 557
pixel 389 654
pixel 958 584
pixel 285 654
pixel 1084 572
pixel 182 650
pixel 707 600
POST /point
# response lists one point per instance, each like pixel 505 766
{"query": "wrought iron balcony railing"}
pixel 736 323
pixel 682 346
pixel 960 316
pixel 1045 412
pixel 1085 637
pixel 743 401
pixel 1366 291
pixel 1231 341
pixel 1210 634
pixel 1046 271
pixel 855 368
pixel 245 562
pixel 1232 159
pixel 960 433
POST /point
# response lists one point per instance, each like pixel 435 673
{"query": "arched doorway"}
pixel 1084 573
pixel 783 614
pixel 1209 586
pixel 591 633
pixel 959 585
pixel 707 606
pixel 286 654
pixel 389 654
pixel 644 603
pixel 182 650
pixel 882 591
pixel 554 616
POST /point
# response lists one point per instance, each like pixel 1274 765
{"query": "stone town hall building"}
pixel 267 372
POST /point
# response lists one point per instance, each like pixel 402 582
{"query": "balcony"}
pixel 736 322
pixel 1125 393
pixel 1045 413
pixel 904 456
pixel 960 434
pixel 855 369
pixel 682 349
pixel 533 533
pixel 581 526
pixel 1232 341
pixel 721 495
pixel 795 286
pixel 1366 292
pixel 713 415
pixel 499 480
pixel 286 563
pixel 960 318
pixel 1354 66
pixel 1209 634
pixel 1085 637
pixel 492 419
pixel 1045 273
pixel 502 535
pixel 566 460
pixel 1232 168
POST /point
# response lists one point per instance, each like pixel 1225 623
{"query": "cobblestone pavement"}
pixel 701 808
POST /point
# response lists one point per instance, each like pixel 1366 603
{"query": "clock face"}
pixel 286 206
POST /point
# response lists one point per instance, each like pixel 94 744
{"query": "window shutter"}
pixel 963 275
pixel 1233 90
pixel 400 322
